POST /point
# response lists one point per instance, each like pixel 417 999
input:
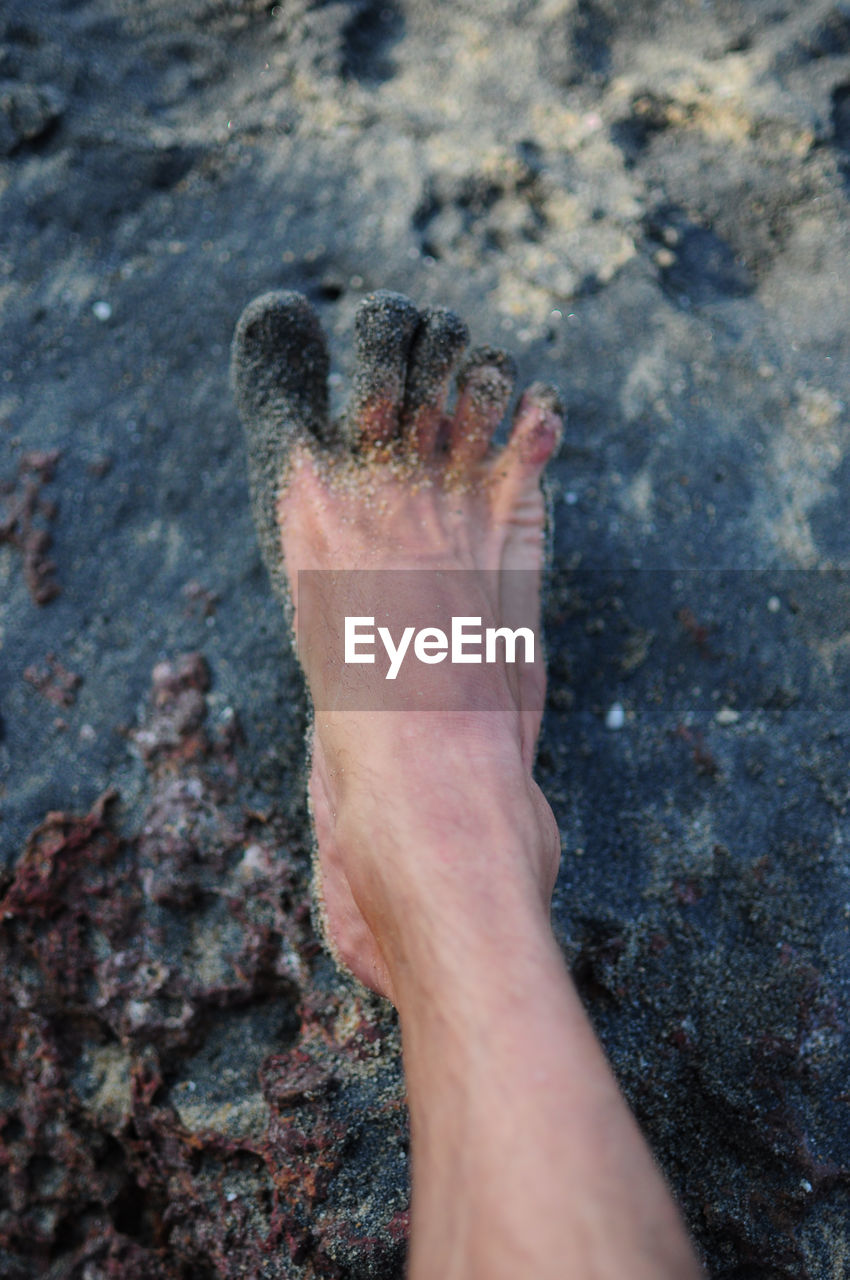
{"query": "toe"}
pixel 536 430
pixel 383 331
pixel 279 366
pixel 516 469
pixel 485 383
pixel 436 347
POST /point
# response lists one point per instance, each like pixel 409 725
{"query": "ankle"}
pixel 450 960
pixel 444 881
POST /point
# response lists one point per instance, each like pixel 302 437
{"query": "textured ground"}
pixel 649 205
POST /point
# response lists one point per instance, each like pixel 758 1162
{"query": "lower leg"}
pixel 526 1159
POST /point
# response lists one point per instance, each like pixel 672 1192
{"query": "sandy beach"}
pixel 647 205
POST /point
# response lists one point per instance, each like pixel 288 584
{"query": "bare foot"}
pixel 401 484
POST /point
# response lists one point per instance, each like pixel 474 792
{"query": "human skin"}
pixel 436 850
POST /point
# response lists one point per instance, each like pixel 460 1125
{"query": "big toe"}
pixel 279 365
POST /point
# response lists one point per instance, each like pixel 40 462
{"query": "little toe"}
pixel 436 347
pixel 279 369
pixel 485 384
pixel 383 332
pixel 536 431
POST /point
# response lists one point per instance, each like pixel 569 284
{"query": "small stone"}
pixel 102 311
pixel 727 715
pixel 254 862
pixel 774 604
pixel 27 113
pixel 616 716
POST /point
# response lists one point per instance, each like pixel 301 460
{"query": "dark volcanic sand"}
pixel 648 204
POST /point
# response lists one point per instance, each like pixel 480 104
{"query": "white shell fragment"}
pixel 727 715
pixel 616 716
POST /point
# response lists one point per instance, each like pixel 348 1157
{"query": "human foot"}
pixel 402 485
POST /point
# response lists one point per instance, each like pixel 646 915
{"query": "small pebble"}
pixel 616 717
pixel 571 498
pixel 774 604
pixel 805 1184
pixel 231 1196
pixel 102 310
pixel 253 862
pixel 727 715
